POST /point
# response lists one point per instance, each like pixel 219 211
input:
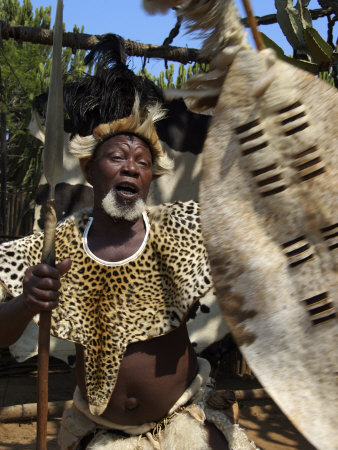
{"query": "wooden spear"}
pixel 52 167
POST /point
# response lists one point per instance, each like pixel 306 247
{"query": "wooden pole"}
pixel 52 169
pixel 253 25
pixel 48 257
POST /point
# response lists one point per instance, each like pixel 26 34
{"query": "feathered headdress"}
pixel 113 101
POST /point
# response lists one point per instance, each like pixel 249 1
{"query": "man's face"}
pixel 122 169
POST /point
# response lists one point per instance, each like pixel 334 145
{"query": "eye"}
pixel 115 157
pixel 143 163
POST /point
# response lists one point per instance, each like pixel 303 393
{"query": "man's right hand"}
pixel 41 286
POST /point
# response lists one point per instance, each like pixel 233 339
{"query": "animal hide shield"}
pixel 269 206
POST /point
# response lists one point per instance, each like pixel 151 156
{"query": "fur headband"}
pixel 83 147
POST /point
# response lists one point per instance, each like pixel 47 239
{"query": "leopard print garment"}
pixel 105 308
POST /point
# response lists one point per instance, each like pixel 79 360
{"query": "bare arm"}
pixel 41 286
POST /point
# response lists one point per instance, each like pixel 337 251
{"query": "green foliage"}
pixel 322 55
pixel 321 52
pixel 300 63
pixel 166 78
pixel 328 77
pixel 22 77
pixel 311 51
pixel 25 73
pixel 293 20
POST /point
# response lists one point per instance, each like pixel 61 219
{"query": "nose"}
pixel 131 168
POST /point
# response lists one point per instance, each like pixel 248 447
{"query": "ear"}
pixel 87 168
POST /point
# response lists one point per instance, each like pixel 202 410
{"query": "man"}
pixel 126 281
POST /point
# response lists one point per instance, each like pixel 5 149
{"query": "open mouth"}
pixel 127 189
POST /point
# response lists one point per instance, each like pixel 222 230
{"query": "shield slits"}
pixel 297 251
pixel 330 235
pixel 320 308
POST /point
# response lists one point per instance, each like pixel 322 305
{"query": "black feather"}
pixel 109 94
pixel 109 50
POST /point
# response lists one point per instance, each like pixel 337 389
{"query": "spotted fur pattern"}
pixel 105 308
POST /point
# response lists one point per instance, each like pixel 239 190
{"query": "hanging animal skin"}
pixel 269 211
pixel 269 202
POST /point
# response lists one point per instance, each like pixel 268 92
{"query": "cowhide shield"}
pixel 269 204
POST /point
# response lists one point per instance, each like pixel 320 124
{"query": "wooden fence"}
pixel 17 215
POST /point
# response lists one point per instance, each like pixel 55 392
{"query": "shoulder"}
pixel 178 211
pixel 177 225
pixel 77 220
pixel 16 256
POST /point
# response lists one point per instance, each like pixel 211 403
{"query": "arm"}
pixel 41 286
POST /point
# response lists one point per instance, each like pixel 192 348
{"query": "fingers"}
pixel 41 286
pixel 45 271
pixel 64 266
pixel 36 306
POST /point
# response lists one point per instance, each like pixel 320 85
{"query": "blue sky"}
pixel 127 18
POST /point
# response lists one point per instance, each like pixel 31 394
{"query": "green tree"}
pixel 25 73
pixel 310 51
pixel 166 77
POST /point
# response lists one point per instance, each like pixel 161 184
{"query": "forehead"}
pixel 125 141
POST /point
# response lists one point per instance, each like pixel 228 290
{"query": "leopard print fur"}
pixel 105 308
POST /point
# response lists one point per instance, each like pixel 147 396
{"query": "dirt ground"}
pixel 263 421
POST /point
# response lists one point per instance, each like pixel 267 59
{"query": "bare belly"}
pixel 153 375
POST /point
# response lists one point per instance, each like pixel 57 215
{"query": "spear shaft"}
pixel 253 25
pixel 52 167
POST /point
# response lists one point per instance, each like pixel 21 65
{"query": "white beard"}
pixel 130 213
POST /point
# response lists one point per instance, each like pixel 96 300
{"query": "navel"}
pixel 131 403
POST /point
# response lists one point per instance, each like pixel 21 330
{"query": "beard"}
pixel 126 212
